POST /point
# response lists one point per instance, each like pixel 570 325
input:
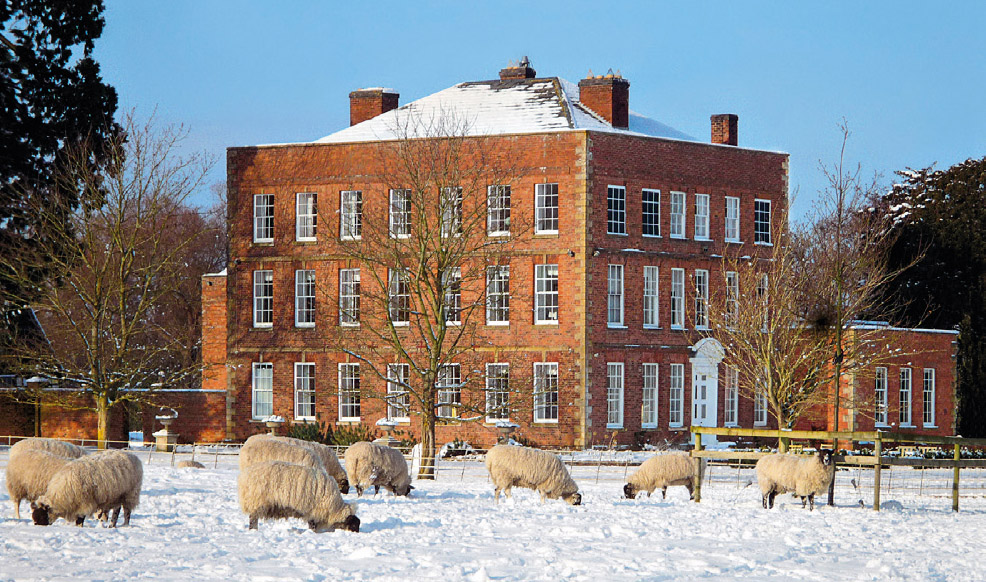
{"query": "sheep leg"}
pixel 496 495
pixel 80 520
pixel 768 499
pixel 126 515
pixel 115 516
pixel 664 492
pixel 691 490
pixel 17 508
pixel 359 491
pixel 253 522
pixel 811 502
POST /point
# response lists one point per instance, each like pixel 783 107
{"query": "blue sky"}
pixel 909 77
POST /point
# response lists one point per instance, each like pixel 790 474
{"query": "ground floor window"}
pixel 304 391
pixel 263 389
pixel 349 395
pixel 546 392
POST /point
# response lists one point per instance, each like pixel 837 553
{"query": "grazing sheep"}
pixel 662 471
pixel 190 465
pixel 257 450
pixel 803 476
pixel 369 464
pixel 28 474
pixel 280 490
pixel 324 452
pixel 96 483
pixel 511 466
pixel 53 446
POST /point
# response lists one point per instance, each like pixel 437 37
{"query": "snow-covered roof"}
pixel 507 106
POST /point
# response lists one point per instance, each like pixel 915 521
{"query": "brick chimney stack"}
pixel 368 103
pixel 725 129
pixel 521 71
pixel 607 95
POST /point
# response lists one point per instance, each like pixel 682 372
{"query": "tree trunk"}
pixel 103 419
pixel 427 468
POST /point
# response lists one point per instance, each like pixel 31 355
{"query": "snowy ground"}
pixel 188 526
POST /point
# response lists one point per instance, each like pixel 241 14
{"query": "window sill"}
pixel 350 325
pixel 677 328
pixel 929 426
pixel 262 327
pixel 733 242
pixel 702 328
pixel 349 420
pixel 304 325
pixel 400 236
pixel 547 422
pixel 306 240
pixel 676 426
pixel 703 239
pixel 546 234
pixel 546 322
pixel 615 326
pixel 907 426
pixel 731 425
pixel 678 236
pixel 350 238
pixel 264 243
pixel 652 327
pixel 401 419
pixel 500 234
pixel 498 323
pixel 651 236
pixel 401 323
pixel 880 425
pixel 617 233
pixel 759 425
pixel 764 244
pixel 303 420
pixel 648 427
pixel 614 426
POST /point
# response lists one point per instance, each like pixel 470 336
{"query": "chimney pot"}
pixel 608 96
pixel 522 70
pixel 725 129
pixel 368 103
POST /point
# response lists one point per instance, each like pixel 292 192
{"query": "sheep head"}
pixel 825 457
pixel 573 498
pixel 629 491
pixel 344 486
pixel 41 513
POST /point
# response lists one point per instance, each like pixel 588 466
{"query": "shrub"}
pixel 319 432
pixel 347 435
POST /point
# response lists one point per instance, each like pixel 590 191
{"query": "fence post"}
pixel 783 444
pixel 698 468
pixel 877 469
pixel 955 479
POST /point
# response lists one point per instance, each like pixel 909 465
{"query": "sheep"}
pixel 662 471
pixel 190 465
pixel 803 476
pixel 377 465
pixel 28 474
pixel 511 465
pixel 53 446
pixel 96 483
pixel 281 490
pixel 258 450
pixel 324 452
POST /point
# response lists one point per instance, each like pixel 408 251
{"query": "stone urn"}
pixel 505 429
pixel 274 423
pixel 165 439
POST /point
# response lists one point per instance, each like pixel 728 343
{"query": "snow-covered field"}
pixel 188 526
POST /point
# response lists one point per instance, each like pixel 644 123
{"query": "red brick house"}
pixel 631 219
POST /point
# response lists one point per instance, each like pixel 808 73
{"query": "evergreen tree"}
pixel 940 216
pixel 52 99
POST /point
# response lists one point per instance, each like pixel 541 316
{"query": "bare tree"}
pixel 424 267
pixel 116 318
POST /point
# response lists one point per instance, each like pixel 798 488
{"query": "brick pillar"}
pixel 368 103
pixel 609 97
pixel 725 129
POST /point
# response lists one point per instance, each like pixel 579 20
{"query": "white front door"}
pixel 705 386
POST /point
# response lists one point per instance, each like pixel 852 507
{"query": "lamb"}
pixel 257 450
pixel 281 490
pixel 93 484
pixel 324 452
pixel 377 465
pixel 28 475
pixel 53 446
pixel 804 476
pixel 662 471
pixel 511 465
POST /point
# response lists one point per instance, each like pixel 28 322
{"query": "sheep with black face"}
pixel 280 490
pixel 660 472
pixel 103 482
pixel 805 476
pixel 513 466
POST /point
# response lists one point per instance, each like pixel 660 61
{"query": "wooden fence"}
pixel 877 460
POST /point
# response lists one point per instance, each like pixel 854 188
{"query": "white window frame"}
pixel 679 202
pixel 453 297
pixel 305 216
pixel 649 395
pixel 701 299
pixel 928 399
pixel 546 294
pixel 497 392
pixel 701 217
pixel 349 297
pixel 262 390
pixel 880 400
pixel 614 395
pixel 400 213
pixel 760 236
pixel 546 213
pixel 546 393
pixel 677 298
pixel 498 210
pixel 652 300
pixel 676 396
pixel 263 218
pixel 616 210
pixel 304 390
pixel 732 298
pixel 451 211
pixel 351 215
pixel 349 392
pixel 614 296
pixel 398 397
pixel 732 233
pixel 905 401
pixel 498 295
pixel 759 409
pixel 650 209
pixel 263 298
pixel 731 407
pixel 449 391
pixel 304 298
pixel 398 298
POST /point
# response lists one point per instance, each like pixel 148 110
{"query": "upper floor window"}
pixel 546 294
pixel 452 281
pixel 351 215
pixel 761 221
pixel 702 216
pixel 399 297
pixel 614 296
pixel 262 397
pixel 929 398
pixel 616 210
pixel 732 219
pixel 304 391
pixel 648 404
pixel 759 409
pixel 449 387
pixel 880 397
pixel 676 395
pixel 732 297
pixel 263 218
pixel 677 215
pixel 701 299
pixel 651 216
pixel 497 392
pixel 677 298
pixel 263 298
pixel 349 298
pixel 498 210
pixel 498 295
pixel 400 213
pixel 304 298
pixel 546 209
pixel 398 399
pixel 731 411
pixel 905 397
pixel 614 395
pixel 349 394
pixel 451 202
pixel 305 216
pixel 546 392
pixel 651 302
